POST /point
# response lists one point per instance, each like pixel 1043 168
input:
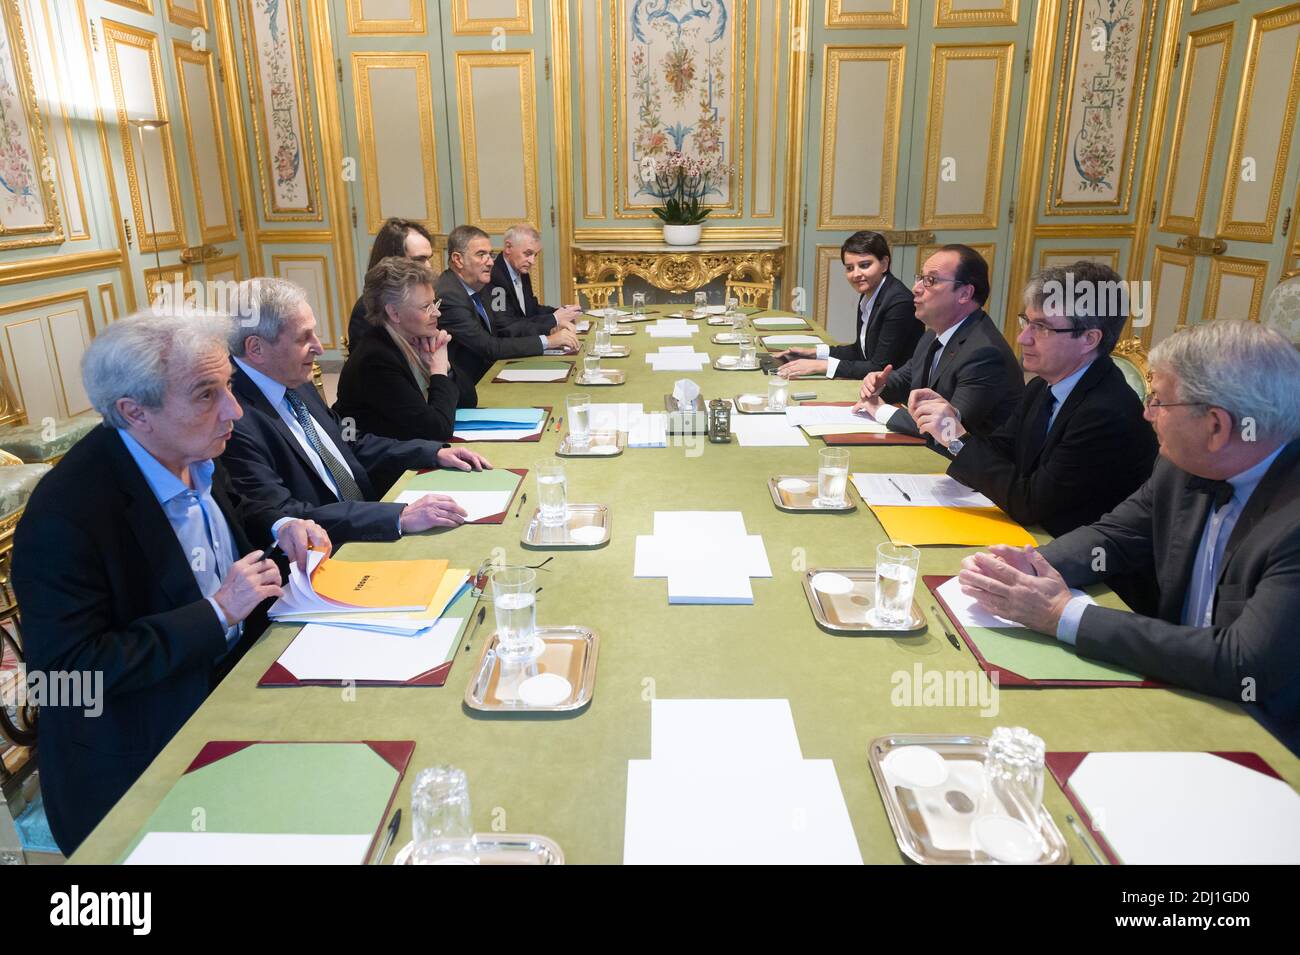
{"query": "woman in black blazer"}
pixel 397 381
pixel 891 330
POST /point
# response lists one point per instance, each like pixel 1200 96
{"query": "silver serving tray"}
pixel 570 651
pixel 601 444
pixel 751 406
pixel 545 537
pixel 500 848
pixel 615 351
pixel 608 378
pixel 802 502
pixel 622 331
pixel 910 810
pixel 849 613
pixel 725 338
pixel 738 367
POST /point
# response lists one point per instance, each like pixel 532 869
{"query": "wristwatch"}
pixel 955 446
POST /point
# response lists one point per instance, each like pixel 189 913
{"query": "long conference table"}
pixel 564 776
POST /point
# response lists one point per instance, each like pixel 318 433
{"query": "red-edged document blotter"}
pixel 860 439
pixel 1063 765
pixel 532 437
pixel 1009 677
pixel 278 675
pixel 491 518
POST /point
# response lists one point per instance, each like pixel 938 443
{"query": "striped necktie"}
pixel 343 479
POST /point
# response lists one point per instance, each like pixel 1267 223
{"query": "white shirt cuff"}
pixel 885 413
pixel 545 343
pixel 1067 628
pixel 276 527
pixel 831 365
pixel 823 351
pixel 221 614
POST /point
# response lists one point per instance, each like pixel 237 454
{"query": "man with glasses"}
pixel 1218 524
pixel 1077 444
pixel 962 356
pixel 476 340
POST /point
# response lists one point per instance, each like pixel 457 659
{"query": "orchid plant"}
pixel 682 182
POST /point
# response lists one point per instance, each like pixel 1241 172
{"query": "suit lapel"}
pixel 1095 374
pixel 1191 511
pixel 948 357
pixel 324 419
pixel 251 395
pixel 1276 490
pixel 1025 436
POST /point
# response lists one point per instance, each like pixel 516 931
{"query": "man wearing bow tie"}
pixel 1218 523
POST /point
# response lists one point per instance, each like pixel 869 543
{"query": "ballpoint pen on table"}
pixel 906 496
pixel 559 421
pixel 946 632
pixel 388 838
pixel 1078 831
pixel 523 497
pixel 482 612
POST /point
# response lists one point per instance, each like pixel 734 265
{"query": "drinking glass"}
pixel 578 409
pixel 778 392
pixel 590 367
pixel 514 602
pixel 440 804
pixel 638 303
pixel 733 306
pixel 701 301
pixel 896 567
pixel 748 351
pixel 603 341
pixel 551 498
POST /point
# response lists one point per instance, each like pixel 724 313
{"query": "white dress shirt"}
pixel 888 411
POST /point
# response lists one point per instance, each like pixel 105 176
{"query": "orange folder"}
pixel 969 526
pixel 386 584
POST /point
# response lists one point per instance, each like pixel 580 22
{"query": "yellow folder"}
pixel 379 584
pixel 970 526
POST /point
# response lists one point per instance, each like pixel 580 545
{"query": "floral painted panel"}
pixel 25 200
pixel 284 137
pixel 679 64
pixel 1103 94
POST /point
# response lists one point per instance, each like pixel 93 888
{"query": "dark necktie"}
pixel 929 362
pixel 482 312
pixel 1038 431
pixel 343 479
pixel 1221 491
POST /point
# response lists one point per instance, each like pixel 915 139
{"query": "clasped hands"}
pixel 1018 584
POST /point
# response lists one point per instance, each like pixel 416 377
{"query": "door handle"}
pixel 199 253
pixel 1203 245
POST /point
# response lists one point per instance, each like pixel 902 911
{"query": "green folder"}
pixel 301 788
pixel 1037 657
pixel 445 481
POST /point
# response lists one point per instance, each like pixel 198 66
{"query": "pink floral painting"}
pixel 289 186
pixel 22 194
pixel 678 56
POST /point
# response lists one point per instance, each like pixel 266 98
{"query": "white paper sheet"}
pixel 1184 808
pixel 791 340
pixel 770 320
pixel 249 848
pixel 968 613
pixel 478 504
pixel 649 431
pixel 766 431
pixel 716 732
pixel 699 524
pixel 319 652
pixel 699 582
pixel 676 363
pixel 533 374
pixel 925 490
pixel 825 414
pixel 613 416
pixel 661 556
pixel 762 814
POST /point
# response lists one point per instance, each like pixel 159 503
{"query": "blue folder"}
pixel 498 419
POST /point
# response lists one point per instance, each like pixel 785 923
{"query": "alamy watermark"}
pixel 69 689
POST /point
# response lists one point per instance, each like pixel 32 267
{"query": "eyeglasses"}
pixel 1151 401
pixel 1040 328
pixel 930 281
pixel 429 307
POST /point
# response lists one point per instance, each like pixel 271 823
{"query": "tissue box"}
pixel 687 422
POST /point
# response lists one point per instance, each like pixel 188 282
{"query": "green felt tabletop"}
pixel 566 777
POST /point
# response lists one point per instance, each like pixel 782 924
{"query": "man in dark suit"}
pixel 1218 524
pixel 887 329
pixel 139 571
pixel 509 293
pixel 962 355
pixel 292 454
pixel 477 342
pixel 1077 443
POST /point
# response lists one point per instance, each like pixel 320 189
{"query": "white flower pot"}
pixel 683 234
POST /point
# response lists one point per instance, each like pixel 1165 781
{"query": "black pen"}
pixel 906 496
pixel 522 498
pixel 388 837
pixel 482 612
pixel 946 632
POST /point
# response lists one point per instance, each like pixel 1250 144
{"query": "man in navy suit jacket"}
pixel 292 454
pixel 887 329
pixel 509 294
pixel 1077 443
pixel 138 569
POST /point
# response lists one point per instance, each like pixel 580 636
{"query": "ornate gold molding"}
pixel 1164 254
pixel 712 235
pixel 1254 269
pixel 181 16
pixel 360 25
pixel 33 270
pixel 794 146
pixel 297 236
pixel 1142 221
pixel 522 62
pixel 463 24
pixel 185 54
pixel 1003 16
pixel 1093 254
pixel 239 142
pixel 895 18
pixel 1260 231
pixel 677 272
pixel 561 97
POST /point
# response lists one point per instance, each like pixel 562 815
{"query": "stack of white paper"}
pixel 322 652
pixel 671 328
pixel 649 431
pixel 707 556
pixel 677 358
pixel 785 341
pixel 917 490
pixel 825 414
pixel 477 504
pixel 766 431
pixel 533 374
pixel 614 416
pixel 726 782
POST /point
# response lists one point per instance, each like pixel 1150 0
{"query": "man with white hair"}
pixel 1218 524
pixel 510 292
pixel 293 454
pixel 140 572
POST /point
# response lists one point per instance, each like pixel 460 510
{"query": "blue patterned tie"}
pixel 478 304
pixel 347 485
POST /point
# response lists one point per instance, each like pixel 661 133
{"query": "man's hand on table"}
pixel 1017 584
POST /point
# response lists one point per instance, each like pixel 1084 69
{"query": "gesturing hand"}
pixel 249 581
